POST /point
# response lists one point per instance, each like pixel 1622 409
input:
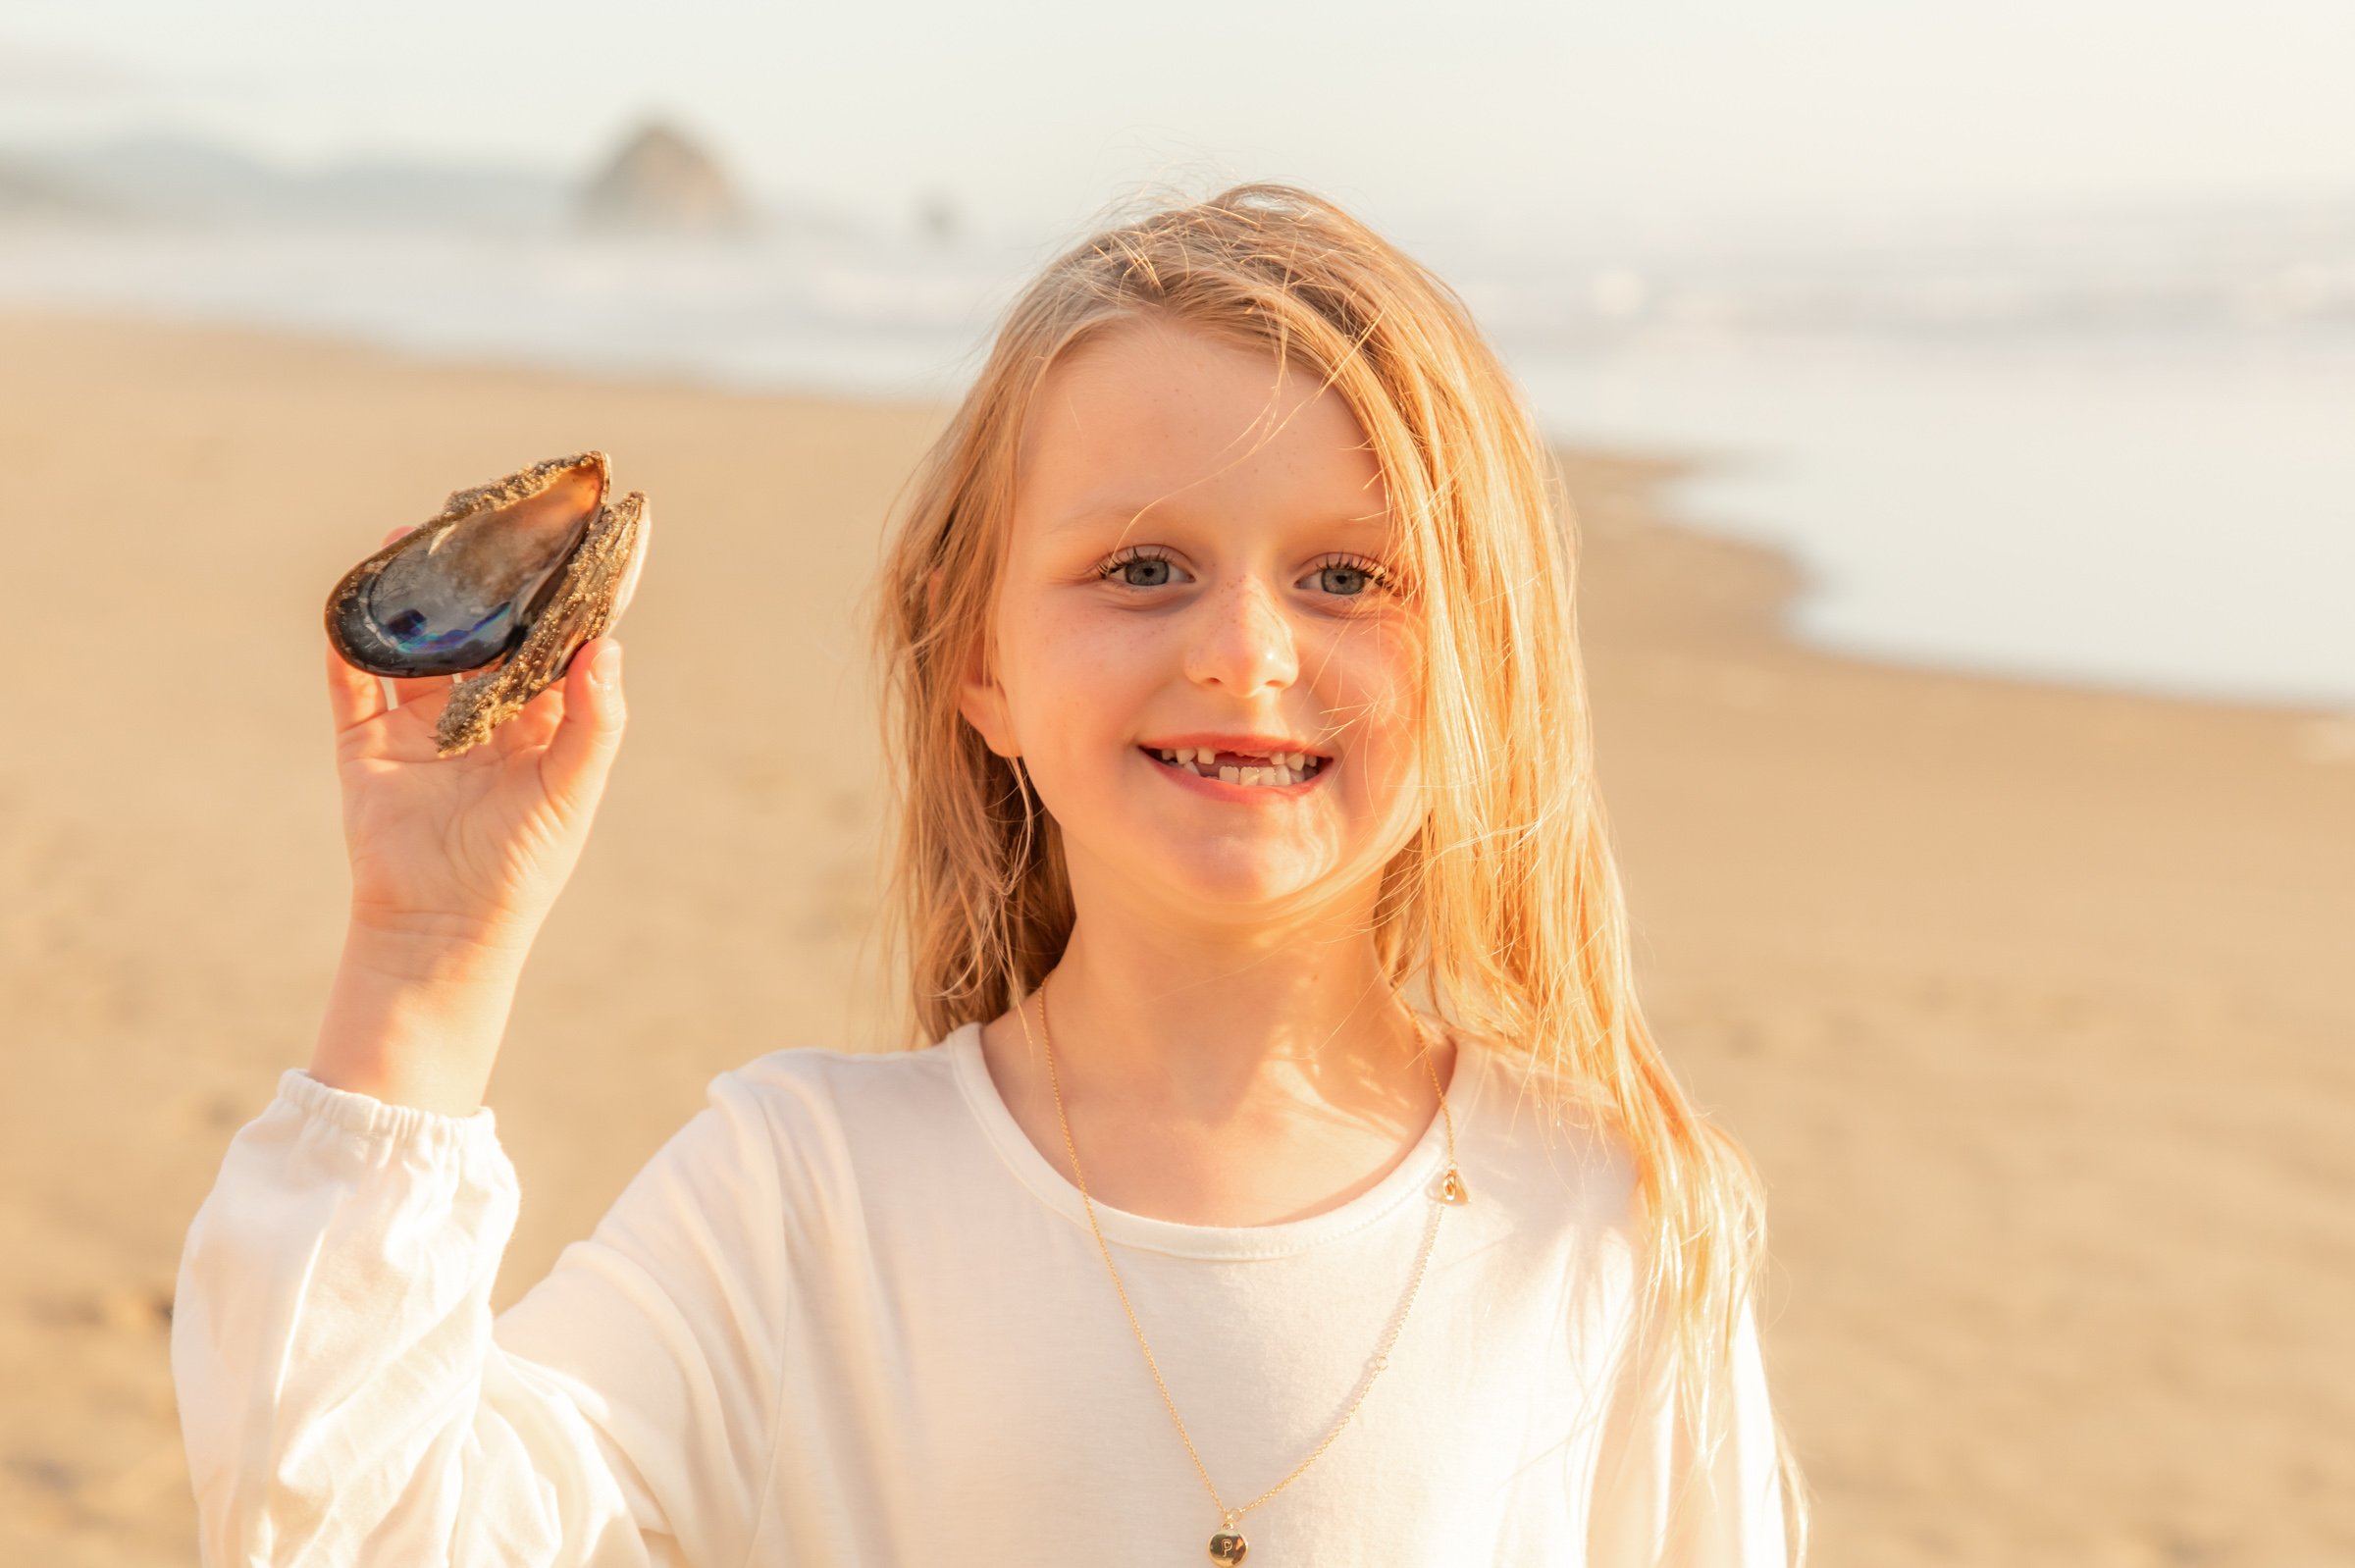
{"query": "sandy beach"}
pixel 2035 1005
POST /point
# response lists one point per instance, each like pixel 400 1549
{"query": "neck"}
pixel 1216 1073
pixel 1211 1025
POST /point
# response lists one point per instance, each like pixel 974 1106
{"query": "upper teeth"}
pixel 1283 768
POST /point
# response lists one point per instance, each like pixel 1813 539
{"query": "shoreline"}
pixel 2025 998
pixel 1668 466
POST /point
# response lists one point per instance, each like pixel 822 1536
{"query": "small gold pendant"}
pixel 1227 1547
pixel 1452 1191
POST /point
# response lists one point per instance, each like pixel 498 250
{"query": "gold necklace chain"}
pixel 1227 1545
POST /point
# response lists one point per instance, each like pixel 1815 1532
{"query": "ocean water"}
pixel 2145 484
pixel 2170 512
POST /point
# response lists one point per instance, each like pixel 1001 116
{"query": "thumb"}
pixel 574 767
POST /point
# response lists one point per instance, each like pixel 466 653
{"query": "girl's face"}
pixel 1199 657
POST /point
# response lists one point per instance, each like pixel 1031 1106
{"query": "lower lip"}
pixel 1218 789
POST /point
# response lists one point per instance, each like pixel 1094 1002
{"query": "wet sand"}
pixel 2035 1005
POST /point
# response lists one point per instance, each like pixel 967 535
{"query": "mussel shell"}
pixel 582 602
pixel 465 587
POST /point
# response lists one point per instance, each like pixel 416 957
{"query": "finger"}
pixel 574 767
pixel 354 696
pixel 408 689
pixel 534 727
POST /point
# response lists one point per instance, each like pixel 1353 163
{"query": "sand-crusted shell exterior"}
pixel 519 486
pixel 581 608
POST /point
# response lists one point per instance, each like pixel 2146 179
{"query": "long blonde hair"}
pixel 1506 904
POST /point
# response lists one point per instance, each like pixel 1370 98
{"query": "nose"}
pixel 1244 643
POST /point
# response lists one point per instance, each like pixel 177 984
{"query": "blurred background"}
pixel 1957 401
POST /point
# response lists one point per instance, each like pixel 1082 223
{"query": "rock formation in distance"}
pixel 661 180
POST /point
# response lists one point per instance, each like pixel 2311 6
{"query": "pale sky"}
pixel 1519 116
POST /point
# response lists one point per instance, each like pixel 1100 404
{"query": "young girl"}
pixel 1285 1170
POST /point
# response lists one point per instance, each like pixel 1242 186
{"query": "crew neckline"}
pixel 1418 1172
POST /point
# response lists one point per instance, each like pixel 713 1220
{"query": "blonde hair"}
pixel 1506 903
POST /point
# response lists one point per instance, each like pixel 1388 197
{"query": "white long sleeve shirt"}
pixel 849 1315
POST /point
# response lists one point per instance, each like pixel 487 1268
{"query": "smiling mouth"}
pixel 1242 767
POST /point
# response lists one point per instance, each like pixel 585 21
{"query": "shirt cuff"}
pixel 371 1117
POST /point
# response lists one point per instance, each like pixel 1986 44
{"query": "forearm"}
pixel 415 1018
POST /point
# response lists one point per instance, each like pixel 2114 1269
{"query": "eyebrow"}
pixel 1095 513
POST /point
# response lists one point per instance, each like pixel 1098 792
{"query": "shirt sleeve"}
pixel 1660 1500
pixel 347 1396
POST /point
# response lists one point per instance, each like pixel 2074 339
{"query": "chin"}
pixel 1243 883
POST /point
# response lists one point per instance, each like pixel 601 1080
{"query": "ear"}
pixel 980 697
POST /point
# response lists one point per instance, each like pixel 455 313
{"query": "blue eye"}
pixel 1140 567
pixel 1146 566
pixel 1349 577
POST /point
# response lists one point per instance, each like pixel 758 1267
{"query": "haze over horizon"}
pixel 1981 312
pixel 1520 122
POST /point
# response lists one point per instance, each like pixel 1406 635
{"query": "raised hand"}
pixel 473 848
pixel 456 862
